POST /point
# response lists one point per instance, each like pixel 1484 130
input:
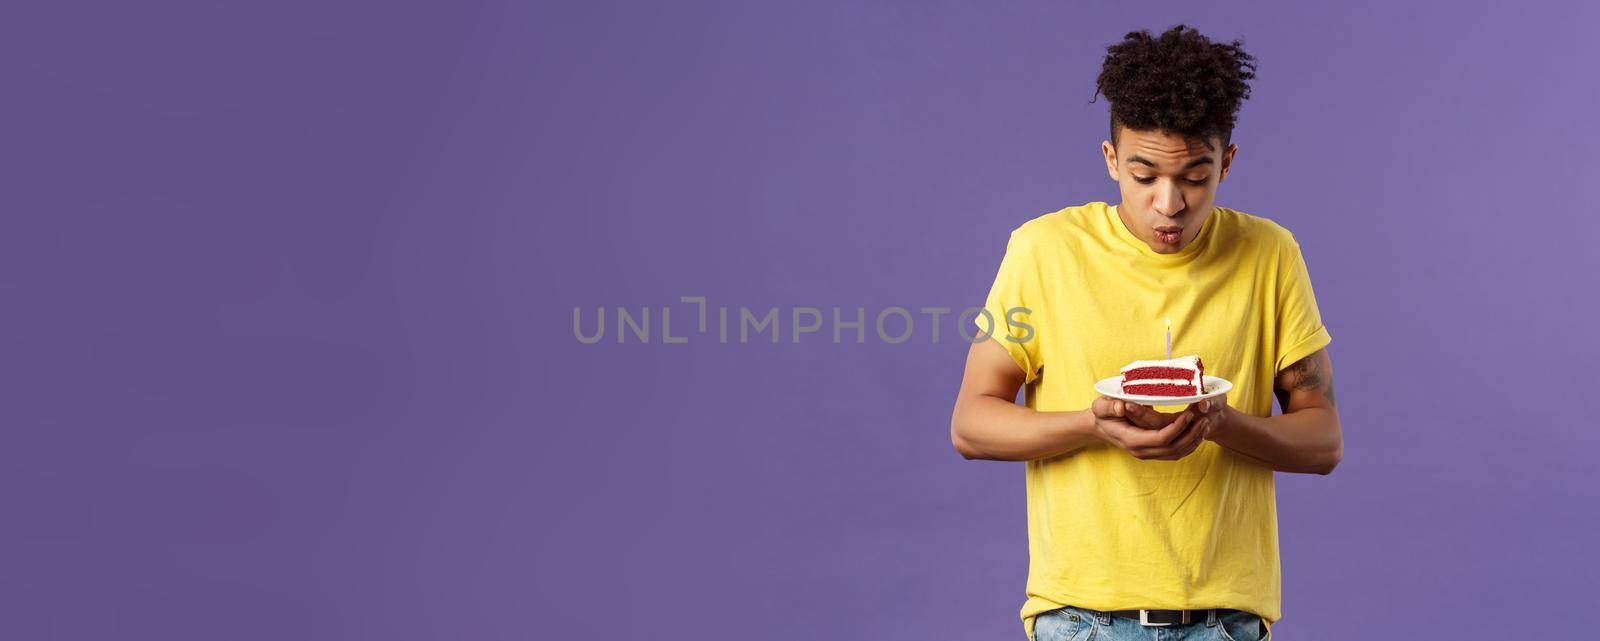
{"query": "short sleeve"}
pixel 1013 301
pixel 1300 329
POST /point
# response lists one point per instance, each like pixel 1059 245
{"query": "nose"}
pixel 1169 200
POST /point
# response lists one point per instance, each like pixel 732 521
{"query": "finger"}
pixel 1103 406
pixel 1122 433
pixel 1216 403
pixel 1158 439
pixel 1158 420
pixel 1144 416
pixel 1171 432
pixel 1204 431
pixel 1162 419
pixel 1192 438
pixel 1181 449
pixel 1186 442
pixel 1210 405
pixel 1111 424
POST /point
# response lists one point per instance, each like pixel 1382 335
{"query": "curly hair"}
pixel 1180 83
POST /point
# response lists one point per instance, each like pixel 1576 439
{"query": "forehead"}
pixel 1163 149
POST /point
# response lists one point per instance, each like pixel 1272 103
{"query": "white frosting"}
pixel 1191 361
pixel 1159 381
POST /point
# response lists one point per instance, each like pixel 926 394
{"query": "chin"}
pixel 1164 249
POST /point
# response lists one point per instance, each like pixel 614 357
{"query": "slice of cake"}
pixel 1183 376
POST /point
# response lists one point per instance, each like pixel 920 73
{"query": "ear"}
pixel 1227 161
pixel 1110 152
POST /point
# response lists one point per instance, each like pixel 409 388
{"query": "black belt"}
pixel 1168 617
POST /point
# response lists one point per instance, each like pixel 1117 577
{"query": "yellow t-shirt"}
pixel 1107 531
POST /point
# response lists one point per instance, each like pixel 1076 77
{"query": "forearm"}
pixel 1306 441
pixel 993 428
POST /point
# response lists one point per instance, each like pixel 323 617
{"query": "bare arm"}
pixel 1306 438
pixel 988 424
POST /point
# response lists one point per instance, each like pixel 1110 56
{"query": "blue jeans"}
pixel 1077 624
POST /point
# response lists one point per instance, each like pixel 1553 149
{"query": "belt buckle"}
pixel 1144 619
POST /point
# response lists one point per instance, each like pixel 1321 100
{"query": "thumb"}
pixel 1216 403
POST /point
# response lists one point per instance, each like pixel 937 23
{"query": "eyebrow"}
pixel 1193 163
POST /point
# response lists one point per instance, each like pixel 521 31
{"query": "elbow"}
pixel 963 447
pixel 964 450
pixel 1333 451
pixel 1331 461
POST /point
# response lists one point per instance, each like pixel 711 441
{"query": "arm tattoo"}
pixel 1306 375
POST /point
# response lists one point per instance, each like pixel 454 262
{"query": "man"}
pixel 1142 521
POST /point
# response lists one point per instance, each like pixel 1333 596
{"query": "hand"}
pixel 1146 416
pixel 1210 414
pixel 1174 440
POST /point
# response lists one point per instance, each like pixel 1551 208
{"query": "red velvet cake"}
pixel 1183 376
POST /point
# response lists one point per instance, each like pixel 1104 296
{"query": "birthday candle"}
pixel 1169 338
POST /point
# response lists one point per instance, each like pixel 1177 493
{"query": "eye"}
pixel 1146 181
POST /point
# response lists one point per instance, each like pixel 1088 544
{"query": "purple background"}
pixel 287 347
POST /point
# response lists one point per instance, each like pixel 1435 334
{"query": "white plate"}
pixel 1214 386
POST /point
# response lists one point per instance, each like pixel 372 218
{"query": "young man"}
pixel 1141 521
